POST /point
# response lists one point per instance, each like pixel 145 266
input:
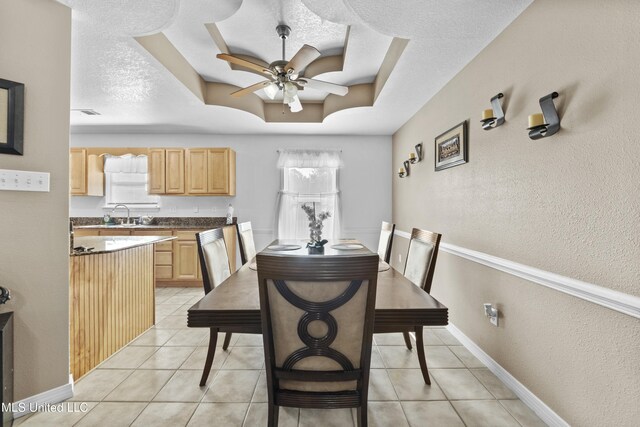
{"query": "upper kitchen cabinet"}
pixel 157 171
pixel 211 171
pixel 78 171
pixel 174 171
pixel 86 173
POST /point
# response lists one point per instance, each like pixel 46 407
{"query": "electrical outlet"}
pixel 492 313
pixel 173 209
pixel 399 258
pixel 196 209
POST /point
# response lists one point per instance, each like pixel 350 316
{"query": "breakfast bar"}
pixel 111 296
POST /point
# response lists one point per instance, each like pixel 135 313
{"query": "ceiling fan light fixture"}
pixel 271 90
pixel 295 106
pixel 290 92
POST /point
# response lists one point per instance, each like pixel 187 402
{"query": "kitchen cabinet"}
pixel 157 171
pixel 163 255
pixel 174 171
pixel 86 173
pixel 78 171
pixel 211 171
pixel 176 263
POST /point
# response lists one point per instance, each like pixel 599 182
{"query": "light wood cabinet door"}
pixel 78 171
pixel 197 176
pixel 156 171
pixel 95 175
pixel 218 170
pixel 174 181
pixel 185 260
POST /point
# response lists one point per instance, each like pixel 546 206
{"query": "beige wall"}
pixel 569 204
pixel 35 50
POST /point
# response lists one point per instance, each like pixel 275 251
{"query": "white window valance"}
pixel 128 163
pixel 309 159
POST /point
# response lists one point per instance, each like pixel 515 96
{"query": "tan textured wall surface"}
pixel 568 204
pixel 36 50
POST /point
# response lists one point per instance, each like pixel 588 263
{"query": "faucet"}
pixel 123 206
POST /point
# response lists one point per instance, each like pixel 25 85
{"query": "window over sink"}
pixel 127 182
pixel 308 177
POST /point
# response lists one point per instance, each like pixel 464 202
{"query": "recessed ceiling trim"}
pixel 159 46
pixel 217 93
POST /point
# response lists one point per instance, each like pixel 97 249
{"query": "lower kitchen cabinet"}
pixel 176 263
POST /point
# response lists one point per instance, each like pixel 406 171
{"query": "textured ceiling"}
pixel 114 75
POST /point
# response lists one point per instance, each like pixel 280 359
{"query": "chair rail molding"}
pixel 614 300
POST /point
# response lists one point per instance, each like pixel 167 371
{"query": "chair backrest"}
pixel 245 239
pixel 421 257
pixel 317 324
pixel 214 261
pixel 386 240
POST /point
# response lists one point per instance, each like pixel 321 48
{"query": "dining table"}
pixel 234 305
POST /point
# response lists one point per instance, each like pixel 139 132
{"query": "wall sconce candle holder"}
pixel 401 173
pixel 495 116
pixel 407 167
pixel 547 123
pixel 413 158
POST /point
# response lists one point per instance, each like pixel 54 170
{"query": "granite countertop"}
pixel 160 223
pixel 104 244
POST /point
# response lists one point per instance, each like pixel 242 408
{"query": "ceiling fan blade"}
pixel 249 89
pixel 305 56
pixel 324 86
pixel 244 63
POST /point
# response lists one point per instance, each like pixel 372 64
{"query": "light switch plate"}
pixel 13 180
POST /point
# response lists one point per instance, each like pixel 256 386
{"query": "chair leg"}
pixel 274 411
pixel 227 340
pixel 407 339
pixel 213 339
pixel 362 420
pixel 421 357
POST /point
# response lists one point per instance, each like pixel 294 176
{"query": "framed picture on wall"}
pixel 11 117
pixel 451 147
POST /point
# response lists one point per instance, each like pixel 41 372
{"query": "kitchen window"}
pixel 308 177
pixel 127 182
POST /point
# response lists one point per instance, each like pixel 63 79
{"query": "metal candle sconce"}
pixel 413 158
pixel 494 117
pixel 547 123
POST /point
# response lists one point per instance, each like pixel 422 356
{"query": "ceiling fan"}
pixel 285 76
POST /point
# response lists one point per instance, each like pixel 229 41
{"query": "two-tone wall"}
pixel 568 204
pixel 35 39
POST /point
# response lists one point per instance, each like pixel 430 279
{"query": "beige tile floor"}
pixel 154 382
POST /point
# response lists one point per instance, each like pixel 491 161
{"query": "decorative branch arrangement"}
pixel 315 226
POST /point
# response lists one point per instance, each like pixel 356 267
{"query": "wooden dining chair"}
pixel 214 263
pixel 245 239
pixel 386 241
pixel 419 268
pixel 317 324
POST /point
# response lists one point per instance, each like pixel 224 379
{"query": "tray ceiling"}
pixel 116 74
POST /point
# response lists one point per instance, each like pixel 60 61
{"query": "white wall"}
pixel 364 181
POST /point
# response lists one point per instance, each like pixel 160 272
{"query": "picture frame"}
pixel 451 147
pixel 11 117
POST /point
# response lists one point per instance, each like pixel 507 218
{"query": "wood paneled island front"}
pixel 111 296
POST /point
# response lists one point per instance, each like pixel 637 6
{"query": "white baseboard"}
pixel 545 413
pixel 55 395
pixel 605 297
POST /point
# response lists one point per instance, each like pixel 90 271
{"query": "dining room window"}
pixel 311 178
